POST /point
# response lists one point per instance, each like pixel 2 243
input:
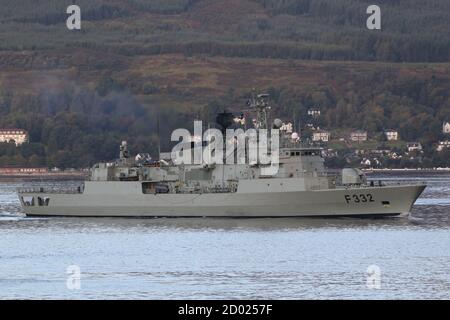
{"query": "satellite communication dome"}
pixel 277 123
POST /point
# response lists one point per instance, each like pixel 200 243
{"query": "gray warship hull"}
pixel 109 199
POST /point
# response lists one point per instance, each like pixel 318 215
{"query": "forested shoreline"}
pixel 79 93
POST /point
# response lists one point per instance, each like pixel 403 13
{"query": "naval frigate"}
pixel 301 186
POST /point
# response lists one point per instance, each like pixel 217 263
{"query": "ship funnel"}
pixel 225 120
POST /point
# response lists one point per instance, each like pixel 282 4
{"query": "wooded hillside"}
pixel 79 93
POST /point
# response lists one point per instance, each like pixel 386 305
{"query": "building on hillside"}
pixel 446 127
pixel 239 120
pixel 314 113
pixel 394 155
pixel 391 135
pixel 22 170
pixel 287 127
pixel 329 153
pixel 370 163
pixel 321 135
pixel 358 136
pixel 380 152
pixel 18 136
pixel 443 145
pixel 414 146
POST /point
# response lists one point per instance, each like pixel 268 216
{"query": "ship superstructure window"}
pixel 148 187
pixel 154 187
pixel 162 188
pixel 28 201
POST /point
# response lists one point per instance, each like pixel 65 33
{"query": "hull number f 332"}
pixel 359 198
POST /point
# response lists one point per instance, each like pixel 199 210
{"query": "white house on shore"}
pixel 446 127
pixel 443 145
pixel 321 135
pixel 414 146
pixel 314 112
pixel 358 136
pixel 18 136
pixel 391 135
pixel 287 127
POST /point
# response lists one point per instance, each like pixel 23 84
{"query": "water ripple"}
pixel 285 258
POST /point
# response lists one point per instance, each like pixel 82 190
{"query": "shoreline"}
pixel 44 176
pixel 415 170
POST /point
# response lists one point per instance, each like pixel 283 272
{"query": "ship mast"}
pixel 261 105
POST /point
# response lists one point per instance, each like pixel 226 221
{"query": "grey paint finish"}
pixel 294 203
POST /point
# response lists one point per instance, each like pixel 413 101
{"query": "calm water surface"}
pixel 229 258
